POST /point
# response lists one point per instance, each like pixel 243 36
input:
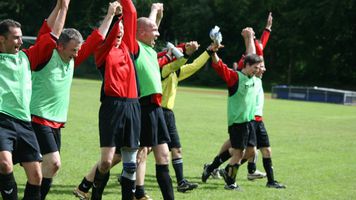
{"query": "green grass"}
pixel 313 147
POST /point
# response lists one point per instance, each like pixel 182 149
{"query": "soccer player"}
pixel 119 114
pixel 18 142
pixel 154 131
pixel 51 90
pixel 173 73
pixel 224 155
pixel 241 108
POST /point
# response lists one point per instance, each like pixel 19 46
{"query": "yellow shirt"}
pixel 171 77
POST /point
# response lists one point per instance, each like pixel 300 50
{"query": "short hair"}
pixel 6 24
pixel 69 34
pixel 252 59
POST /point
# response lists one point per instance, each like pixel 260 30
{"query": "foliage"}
pixel 312 43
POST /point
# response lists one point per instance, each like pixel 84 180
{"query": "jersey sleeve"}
pixel 228 75
pixel 130 25
pixel 89 46
pixel 172 67
pixel 43 30
pixel 42 50
pixel 189 69
pixel 264 37
pixel 110 41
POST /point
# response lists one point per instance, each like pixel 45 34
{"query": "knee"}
pixel 142 155
pixel 176 152
pixel 266 152
pixel 105 165
pixel 55 166
pixel 35 177
pixel 164 157
pixel 6 167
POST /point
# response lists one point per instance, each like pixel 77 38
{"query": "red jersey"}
pixel 115 63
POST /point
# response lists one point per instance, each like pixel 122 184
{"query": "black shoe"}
pixel 205 174
pixel 275 184
pixel 186 185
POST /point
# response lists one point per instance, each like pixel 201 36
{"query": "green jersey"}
pixel 15 85
pixel 148 71
pixel 51 89
pixel 242 104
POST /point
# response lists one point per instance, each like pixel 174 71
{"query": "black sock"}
pixel 243 161
pixel 127 187
pixel 8 186
pixel 45 187
pixel 267 164
pixel 218 160
pixel 178 169
pixel 231 171
pixel 251 167
pixel 85 185
pixel 164 182
pixel 100 181
pixel 32 192
pixel 140 191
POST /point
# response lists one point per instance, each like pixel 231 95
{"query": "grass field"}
pixel 313 146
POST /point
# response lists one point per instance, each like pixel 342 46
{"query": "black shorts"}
pixel 242 135
pixel 172 129
pixel 48 138
pixel 18 137
pixel 153 126
pixel 261 134
pixel 119 122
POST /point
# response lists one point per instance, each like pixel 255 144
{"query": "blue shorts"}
pixel 18 137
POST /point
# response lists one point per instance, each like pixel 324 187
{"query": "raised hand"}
pixel 269 21
pixel 191 47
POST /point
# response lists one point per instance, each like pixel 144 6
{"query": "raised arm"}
pixel 52 18
pixel 266 33
pixel 130 24
pixel 58 27
pixel 49 23
pixel 248 35
pixel 156 13
pixel 113 9
pixel 97 37
pixel 189 49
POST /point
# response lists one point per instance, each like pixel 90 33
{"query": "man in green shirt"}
pixel 18 142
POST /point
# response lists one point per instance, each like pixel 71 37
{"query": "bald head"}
pixel 143 23
pixel 147 31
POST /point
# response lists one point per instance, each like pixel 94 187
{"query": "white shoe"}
pixel 256 175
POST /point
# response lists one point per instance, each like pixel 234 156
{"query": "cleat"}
pixel 215 174
pixel 255 175
pixel 276 185
pixel 233 186
pixel 80 194
pixel 146 197
pixel 186 185
pixel 205 174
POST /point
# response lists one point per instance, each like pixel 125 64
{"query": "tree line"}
pixel 312 43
